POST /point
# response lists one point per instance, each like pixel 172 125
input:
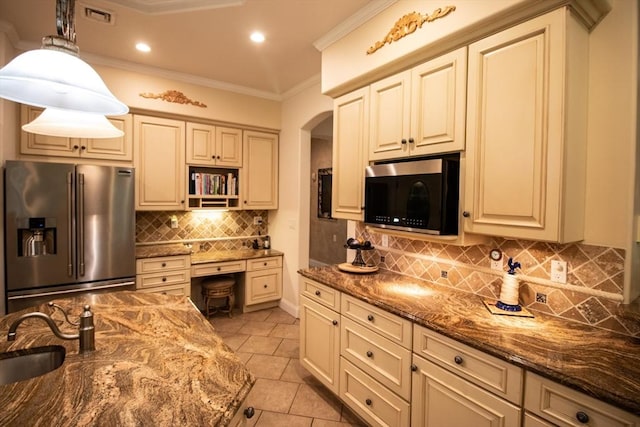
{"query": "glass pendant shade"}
pixel 72 124
pixel 53 78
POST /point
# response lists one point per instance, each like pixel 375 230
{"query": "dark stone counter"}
pixel 599 363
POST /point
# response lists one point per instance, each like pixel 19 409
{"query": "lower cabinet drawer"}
pixel 387 362
pixel 567 407
pixel 371 400
pixel 263 285
pixel 182 289
pixel 533 421
pixel 213 268
pixel 144 281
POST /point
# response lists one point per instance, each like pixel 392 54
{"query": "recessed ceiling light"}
pixel 143 47
pixel 257 37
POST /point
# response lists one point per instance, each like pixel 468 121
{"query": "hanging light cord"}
pixel 65 22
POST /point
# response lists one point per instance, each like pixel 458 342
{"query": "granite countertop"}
pixel 157 361
pixel 172 249
pixel 599 363
pixel 217 256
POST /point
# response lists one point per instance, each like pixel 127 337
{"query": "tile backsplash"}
pixel 212 230
pixel 592 294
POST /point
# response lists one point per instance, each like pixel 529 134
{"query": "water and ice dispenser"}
pixel 36 236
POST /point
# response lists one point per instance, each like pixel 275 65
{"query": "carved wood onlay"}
pixel 408 24
pixel 174 96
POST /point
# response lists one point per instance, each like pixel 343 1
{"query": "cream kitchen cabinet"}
pixel 160 163
pixel 259 175
pixel 526 131
pixel 209 145
pixel 562 406
pixel 112 149
pixel 320 332
pixel 167 275
pixel 420 111
pixel 351 138
pixel 263 283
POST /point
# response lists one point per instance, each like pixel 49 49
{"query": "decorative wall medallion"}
pixel 408 24
pixel 174 96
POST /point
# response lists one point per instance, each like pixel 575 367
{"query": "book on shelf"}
pixel 212 184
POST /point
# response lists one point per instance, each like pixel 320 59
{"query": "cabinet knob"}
pixel 403 141
pixel 459 360
pixel 466 214
pixel 265 286
pixel 369 353
pixel 582 417
pixel 368 402
pixel 335 323
pixel 414 368
pixel 218 157
pixel 249 412
pixel 75 147
pixel 265 264
pixel 317 293
pixel 411 140
pixel 370 318
pixel 164 279
pixel 219 269
pixel 83 147
pixel 164 264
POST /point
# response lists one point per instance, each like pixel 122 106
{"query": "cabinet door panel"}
pixel 350 132
pixel 389 117
pixel 263 285
pixel 320 342
pixel 200 144
pixel 442 399
pixel 112 148
pixel 228 147
pixel 260 171
pixel 44 145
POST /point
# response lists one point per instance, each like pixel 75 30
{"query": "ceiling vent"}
pixel 99 15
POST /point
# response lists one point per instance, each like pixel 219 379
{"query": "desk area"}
pixel 173 269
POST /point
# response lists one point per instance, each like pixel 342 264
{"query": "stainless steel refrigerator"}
pixel 68 229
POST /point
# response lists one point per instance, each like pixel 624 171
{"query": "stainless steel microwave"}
pixel 419 196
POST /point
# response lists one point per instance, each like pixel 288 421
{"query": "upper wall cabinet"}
pixel 526 131
pixel 259 172
pixel 351 136
pixel 160 163
pixel 214 145
pixel 420 111
pixel 118 149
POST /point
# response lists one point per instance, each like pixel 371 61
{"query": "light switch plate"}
pixel 559 271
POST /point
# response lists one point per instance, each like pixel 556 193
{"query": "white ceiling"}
pixel 205 41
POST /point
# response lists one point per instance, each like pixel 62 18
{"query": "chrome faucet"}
pixel 86 330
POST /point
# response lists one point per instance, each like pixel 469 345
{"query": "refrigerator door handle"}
pixel 70 224
pixel 80 221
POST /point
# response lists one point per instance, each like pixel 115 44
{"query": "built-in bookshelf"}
pixel 211 188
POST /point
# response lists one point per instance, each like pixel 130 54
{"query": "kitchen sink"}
pixel 20 365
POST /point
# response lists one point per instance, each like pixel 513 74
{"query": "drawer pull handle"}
pixel 265 264
pixel 219 268
pixel 369 353
pixel 164 264
pixel 370 318
pixel 164 279
pixel 414 368
pixel 265 286
pixel 582 417
pixel 317 293
pixel 368 402
pixel 466 214
pixel 249 412
pixel 335 323
pixel 459 360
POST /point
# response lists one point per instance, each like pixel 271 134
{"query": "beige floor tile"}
pixel 260 345
pixel 225 324
pixel 273 419
pixel 295 372
pixel 281 316
pixel 264 366
pixel 286 331
pixel 262 329
pixel 288 348
pixel 244 357
pixel 350 418
pixel 318 422
pixel 316 402
pixel 255 316
pixel 271 395
pixel 233 340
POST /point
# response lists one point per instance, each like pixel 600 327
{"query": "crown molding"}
pixel 351 23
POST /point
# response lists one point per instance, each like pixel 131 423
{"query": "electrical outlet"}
pixel 382 258
pixel 497 265
pixel 559 271
pixel 444 274
pixel 541 298
pixel 385 241
pixel 257 220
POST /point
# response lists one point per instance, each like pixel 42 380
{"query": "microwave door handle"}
pixel 80 221
pixel 70 224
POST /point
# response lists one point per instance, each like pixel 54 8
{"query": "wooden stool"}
pixel 216 288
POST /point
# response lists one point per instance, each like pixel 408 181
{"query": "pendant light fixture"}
pixel 72 124
pixel 54 76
